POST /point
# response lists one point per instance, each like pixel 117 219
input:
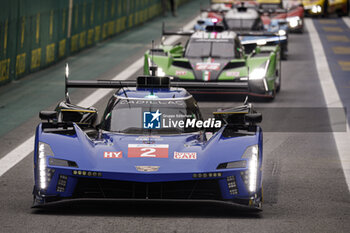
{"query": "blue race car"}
pixel 151 144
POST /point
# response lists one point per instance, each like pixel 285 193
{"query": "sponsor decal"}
pixel 180 72
pixel 152 137
pixel 207 66
pixel 153 102
pixel 113 154
pixel 206 75
pixel 232 73
pixel 147 168
pixel 148 150
pixel 194 123
pixel 151 120
pixel 185 155
pixel 156 120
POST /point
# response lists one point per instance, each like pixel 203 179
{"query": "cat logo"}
pixel 147 168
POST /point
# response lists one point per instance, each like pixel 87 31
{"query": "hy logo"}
pixel 151 120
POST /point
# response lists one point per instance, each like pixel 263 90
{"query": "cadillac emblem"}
pixel 147 168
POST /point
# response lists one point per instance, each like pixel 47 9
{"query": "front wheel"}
pixel 259 199
pixel 278 80
pixel 344 11
pixel 283 52
pixel 325 9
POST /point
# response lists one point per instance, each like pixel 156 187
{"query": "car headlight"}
pixel 261 42
pixel 293 21
pixel 252 154
pixel 258 73
pixel 43 151
pixel 282 32
pixel 62 162
pixel 316 9
pixel 235 164
pixel 160 72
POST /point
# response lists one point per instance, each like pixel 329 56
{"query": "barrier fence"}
pixel 37 33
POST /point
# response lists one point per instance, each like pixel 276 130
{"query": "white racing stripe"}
pixel 24 149
pixel 332 99
pixel 346 21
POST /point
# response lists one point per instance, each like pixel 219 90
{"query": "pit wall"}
pixel 35 34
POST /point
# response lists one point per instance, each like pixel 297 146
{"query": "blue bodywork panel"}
pixel 89 154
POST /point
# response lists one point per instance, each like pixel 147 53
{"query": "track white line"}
pixel 347 21
pixel 27 147
pixel 331 96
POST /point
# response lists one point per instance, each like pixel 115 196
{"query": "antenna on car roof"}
pixel 246 100
pixel 153 67
pixel 152 50
pixel 66 94
pixel 163 30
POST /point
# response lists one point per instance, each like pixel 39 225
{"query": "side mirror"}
pixel 253 118
pixel 280 23
pixel 48 115
pixel 240 52
pixel 178 49
pixel 257 49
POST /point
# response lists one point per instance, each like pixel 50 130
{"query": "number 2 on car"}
pixel 148 151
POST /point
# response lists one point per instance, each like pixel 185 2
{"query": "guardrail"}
pixel 35 34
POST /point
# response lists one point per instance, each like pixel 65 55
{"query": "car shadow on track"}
pixel 148 209
pixel 229 98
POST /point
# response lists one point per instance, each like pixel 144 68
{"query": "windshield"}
pixel 142 116
pixel 270 6
pixel 210 48
pixel 242 24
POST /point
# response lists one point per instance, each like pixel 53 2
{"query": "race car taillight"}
pixel 232 185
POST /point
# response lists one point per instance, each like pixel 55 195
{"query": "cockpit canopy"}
pixel 248 20
pixel 150 115
pixel 214 45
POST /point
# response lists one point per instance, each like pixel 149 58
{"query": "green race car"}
pixel 218 56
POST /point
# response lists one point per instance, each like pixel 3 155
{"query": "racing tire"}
pixel 325 9
pixel 278 81
pixel 301 30
pixel 283 53
pixel 344 11
pixel 272 95
pixel 260 199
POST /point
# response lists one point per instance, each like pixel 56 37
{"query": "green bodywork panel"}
pixel 258 59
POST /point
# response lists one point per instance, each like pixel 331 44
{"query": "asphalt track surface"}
pixel 304 185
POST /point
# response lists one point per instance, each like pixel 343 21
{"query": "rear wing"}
pixel 144 81
pixel 222 1
pixel 208 28
pixel 66 114
pixel 175 33
pixel 272 10
pixel 257 34
pixel 266 37
pixel 152 82
pixel 242 117
pixel 229 1
pixel 250 40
